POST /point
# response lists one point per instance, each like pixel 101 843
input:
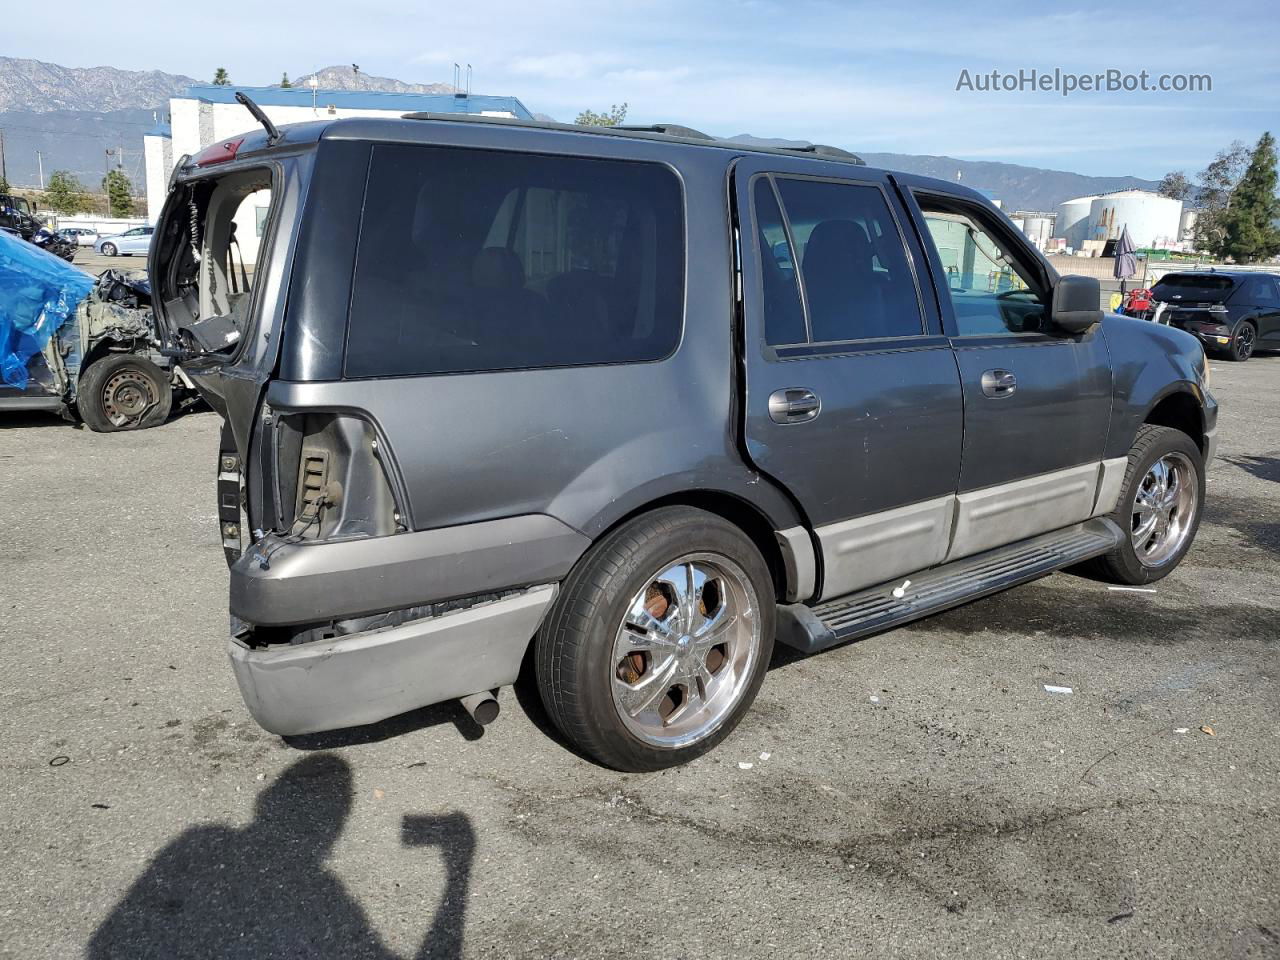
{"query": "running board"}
pixel 810 629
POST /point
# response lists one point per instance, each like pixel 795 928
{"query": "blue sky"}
pixel 872 77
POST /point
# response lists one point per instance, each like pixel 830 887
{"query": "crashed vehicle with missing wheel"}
pixel 627 405
pixel 82 347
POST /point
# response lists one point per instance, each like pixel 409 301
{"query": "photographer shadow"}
pixel 265 890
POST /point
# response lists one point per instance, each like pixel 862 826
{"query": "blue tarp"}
pixel 38 294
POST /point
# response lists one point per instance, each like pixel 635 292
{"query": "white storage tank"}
pixel 1019 222
pixel 1073 220
pixel 1153 220
pixel 1038 229
pixel 1187 225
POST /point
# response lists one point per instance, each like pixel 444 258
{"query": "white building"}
pixel 209 114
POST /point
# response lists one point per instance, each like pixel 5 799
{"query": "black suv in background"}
pixel 645 400
pixel 1232 313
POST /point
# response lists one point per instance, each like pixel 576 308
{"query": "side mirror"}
pixel 1076 304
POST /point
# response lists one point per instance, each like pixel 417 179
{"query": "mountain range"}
pixel 72 115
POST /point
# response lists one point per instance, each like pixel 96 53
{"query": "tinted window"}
pixel 857 282
pixel 783 313
pixel 484 260
pixel 992 292
pixel 1263 292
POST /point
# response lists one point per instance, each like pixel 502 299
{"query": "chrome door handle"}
pixel 998 383
pixel 793 405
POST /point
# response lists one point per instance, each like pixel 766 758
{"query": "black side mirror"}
pixel 1076 304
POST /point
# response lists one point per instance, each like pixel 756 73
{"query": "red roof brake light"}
pixel 222 152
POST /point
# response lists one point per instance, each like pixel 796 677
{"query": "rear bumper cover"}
pixel 278 583
pixel 366 677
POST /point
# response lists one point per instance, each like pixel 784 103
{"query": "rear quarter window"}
pixel 472 260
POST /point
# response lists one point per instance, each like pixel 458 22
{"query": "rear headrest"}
pixel 839 245
pixel 497 268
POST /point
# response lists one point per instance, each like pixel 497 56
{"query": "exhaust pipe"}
pixel 482 706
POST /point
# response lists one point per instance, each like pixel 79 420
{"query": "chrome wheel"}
pixel 1164 509
pixel 685 650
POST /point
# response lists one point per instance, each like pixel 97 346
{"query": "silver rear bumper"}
pixel 366 677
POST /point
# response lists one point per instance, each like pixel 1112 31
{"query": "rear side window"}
pixel 857 281
pixel 474 260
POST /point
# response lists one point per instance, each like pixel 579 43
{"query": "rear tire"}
pixel 1148 511
pixel 658 641
pixel 123 391
pixel 1242 343
pixel 109 250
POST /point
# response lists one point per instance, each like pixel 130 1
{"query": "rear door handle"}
pixel 998 383
pixel 793 405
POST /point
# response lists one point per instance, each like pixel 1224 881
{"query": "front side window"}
pixel 991 292
pixel 857 280
pixel 472 260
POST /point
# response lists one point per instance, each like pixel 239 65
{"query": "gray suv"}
pixel 632 404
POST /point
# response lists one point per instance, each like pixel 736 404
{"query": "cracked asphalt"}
pixel 915 794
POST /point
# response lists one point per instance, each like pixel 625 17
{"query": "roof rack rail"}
pixel 826 150
pixel 670 129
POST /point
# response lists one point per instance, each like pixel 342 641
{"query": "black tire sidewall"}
pixel 575 656
pixel 1133 570
pixel 89 393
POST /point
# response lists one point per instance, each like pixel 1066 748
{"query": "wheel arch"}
pixel 748 517
pixel 1182 409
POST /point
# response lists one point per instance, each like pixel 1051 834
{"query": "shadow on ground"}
pixel 265 890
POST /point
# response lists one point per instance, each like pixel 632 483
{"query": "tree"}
pixel 284 81
pixel 119 193
pixel 1213 193
pixel 65 194
pixel 221 78
pixel 4 185
pixel 616 115
pixel 1249 224
pixel 1175 186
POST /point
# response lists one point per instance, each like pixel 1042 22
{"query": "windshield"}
pixel 1193 288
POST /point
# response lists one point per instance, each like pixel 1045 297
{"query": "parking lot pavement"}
pixel 918 793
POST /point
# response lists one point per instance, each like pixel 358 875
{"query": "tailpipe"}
pixel 482 706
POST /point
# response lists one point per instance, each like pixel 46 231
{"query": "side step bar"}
pixel 838 621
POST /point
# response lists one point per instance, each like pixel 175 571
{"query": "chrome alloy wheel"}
pixel 1163 509
pixel 685 650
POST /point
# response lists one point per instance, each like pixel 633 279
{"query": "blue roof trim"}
pixel 160 130
pixel 362 99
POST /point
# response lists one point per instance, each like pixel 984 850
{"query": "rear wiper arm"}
pixel 273 134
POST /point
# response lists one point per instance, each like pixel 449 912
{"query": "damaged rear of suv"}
pixel 628 404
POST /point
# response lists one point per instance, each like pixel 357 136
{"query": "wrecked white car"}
pixel 82 347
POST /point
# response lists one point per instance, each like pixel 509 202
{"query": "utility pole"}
pixel 40 164
pixel 4 171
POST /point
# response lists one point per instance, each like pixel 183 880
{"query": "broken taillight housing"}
pixel 330 478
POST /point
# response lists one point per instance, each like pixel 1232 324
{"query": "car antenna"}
pixel 272 133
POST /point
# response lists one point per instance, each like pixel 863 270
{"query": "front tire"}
pixel 109 250
pixel 123 391
pixel 1159 507
pixel 659 640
